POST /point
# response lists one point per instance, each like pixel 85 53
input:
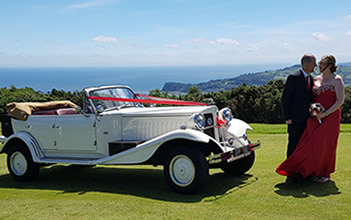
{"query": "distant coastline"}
pixel 141 79
pixel 145 79
pixel 250 79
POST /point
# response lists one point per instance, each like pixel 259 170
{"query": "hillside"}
pixel 250 79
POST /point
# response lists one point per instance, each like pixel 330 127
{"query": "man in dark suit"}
pixel 296 100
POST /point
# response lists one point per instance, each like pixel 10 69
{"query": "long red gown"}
pixel 315 153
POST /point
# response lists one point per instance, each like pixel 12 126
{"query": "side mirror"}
pixel 100 109
pixel 79 110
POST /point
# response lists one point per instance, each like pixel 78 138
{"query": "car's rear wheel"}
pixel 20 164
pixel 240 166
pixel 186 170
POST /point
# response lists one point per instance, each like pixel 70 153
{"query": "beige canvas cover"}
pixel 22 110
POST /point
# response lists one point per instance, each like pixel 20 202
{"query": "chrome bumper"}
pixel 234 154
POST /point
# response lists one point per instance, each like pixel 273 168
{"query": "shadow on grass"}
pixel 307 188
pixel 148 183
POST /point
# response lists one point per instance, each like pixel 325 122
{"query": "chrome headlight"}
pixel 199 121
pixel 226 114
pixel 230 141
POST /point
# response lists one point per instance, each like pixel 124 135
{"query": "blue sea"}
pixel 141 79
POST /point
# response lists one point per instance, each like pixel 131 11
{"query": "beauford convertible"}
pixel 113 127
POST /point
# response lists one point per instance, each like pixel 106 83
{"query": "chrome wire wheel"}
pixel 186 169
pixel 182 170
pixel 18 163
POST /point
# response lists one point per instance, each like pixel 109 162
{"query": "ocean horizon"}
pixel 140 79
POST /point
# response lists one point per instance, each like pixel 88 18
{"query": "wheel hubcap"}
pixel 18 163
pixel 182 170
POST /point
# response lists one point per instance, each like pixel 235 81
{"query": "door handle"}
pixel 56 126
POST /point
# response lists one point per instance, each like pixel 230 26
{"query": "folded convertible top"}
pixel 22 110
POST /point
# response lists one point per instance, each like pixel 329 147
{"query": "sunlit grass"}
pixel 140 192
pixel 282 128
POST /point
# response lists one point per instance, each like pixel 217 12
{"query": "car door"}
pixel 75 133
pixel 41 128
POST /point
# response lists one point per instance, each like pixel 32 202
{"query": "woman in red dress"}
pixel 315 154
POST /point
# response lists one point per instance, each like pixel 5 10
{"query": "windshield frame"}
pixel 100 106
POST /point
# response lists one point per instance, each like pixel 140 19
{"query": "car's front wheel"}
pixel 20 164
pixel 186 170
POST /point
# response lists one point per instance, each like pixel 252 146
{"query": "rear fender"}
pixel 28 140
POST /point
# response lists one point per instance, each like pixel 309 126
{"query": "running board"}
pixel 70 161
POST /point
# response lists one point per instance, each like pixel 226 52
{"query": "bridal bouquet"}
pixel 316 108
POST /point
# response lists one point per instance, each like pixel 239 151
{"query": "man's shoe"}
pixel 319 179
pixel 323 179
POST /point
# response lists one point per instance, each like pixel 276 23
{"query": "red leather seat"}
pixel 61 111
pixel 45 112
pixel 66 111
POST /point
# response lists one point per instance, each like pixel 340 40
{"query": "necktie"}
pixel 308 79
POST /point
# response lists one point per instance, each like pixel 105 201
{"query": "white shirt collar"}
pixel 304 73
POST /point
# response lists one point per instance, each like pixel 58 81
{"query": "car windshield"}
pixel 117 92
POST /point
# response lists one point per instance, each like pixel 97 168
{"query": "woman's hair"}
pixel 332 62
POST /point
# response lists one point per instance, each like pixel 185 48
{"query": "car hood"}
pixel 140 124
pixel 169 111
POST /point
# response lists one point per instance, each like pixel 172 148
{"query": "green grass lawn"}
pixel 140 192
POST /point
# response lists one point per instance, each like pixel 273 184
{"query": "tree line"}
pixel 253 104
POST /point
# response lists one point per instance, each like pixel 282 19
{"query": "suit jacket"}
pixel 296 98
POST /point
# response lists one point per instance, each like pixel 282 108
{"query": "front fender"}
pixel 237 127
pixel 188 134
pixel 2 140
pixel 28 140
pixel 144 151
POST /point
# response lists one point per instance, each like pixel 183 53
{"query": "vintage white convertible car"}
pixel 113 127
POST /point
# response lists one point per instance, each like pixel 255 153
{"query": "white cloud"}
pixel 320 36
pixel 252 48
pixel 199 40
pixel 227 41
pixel 105 39
pixel 286 46
pixel 171 46
pixel 348 33
pixel 219 41
pixel 90 4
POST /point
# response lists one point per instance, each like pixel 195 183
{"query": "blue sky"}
pixel 99 33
